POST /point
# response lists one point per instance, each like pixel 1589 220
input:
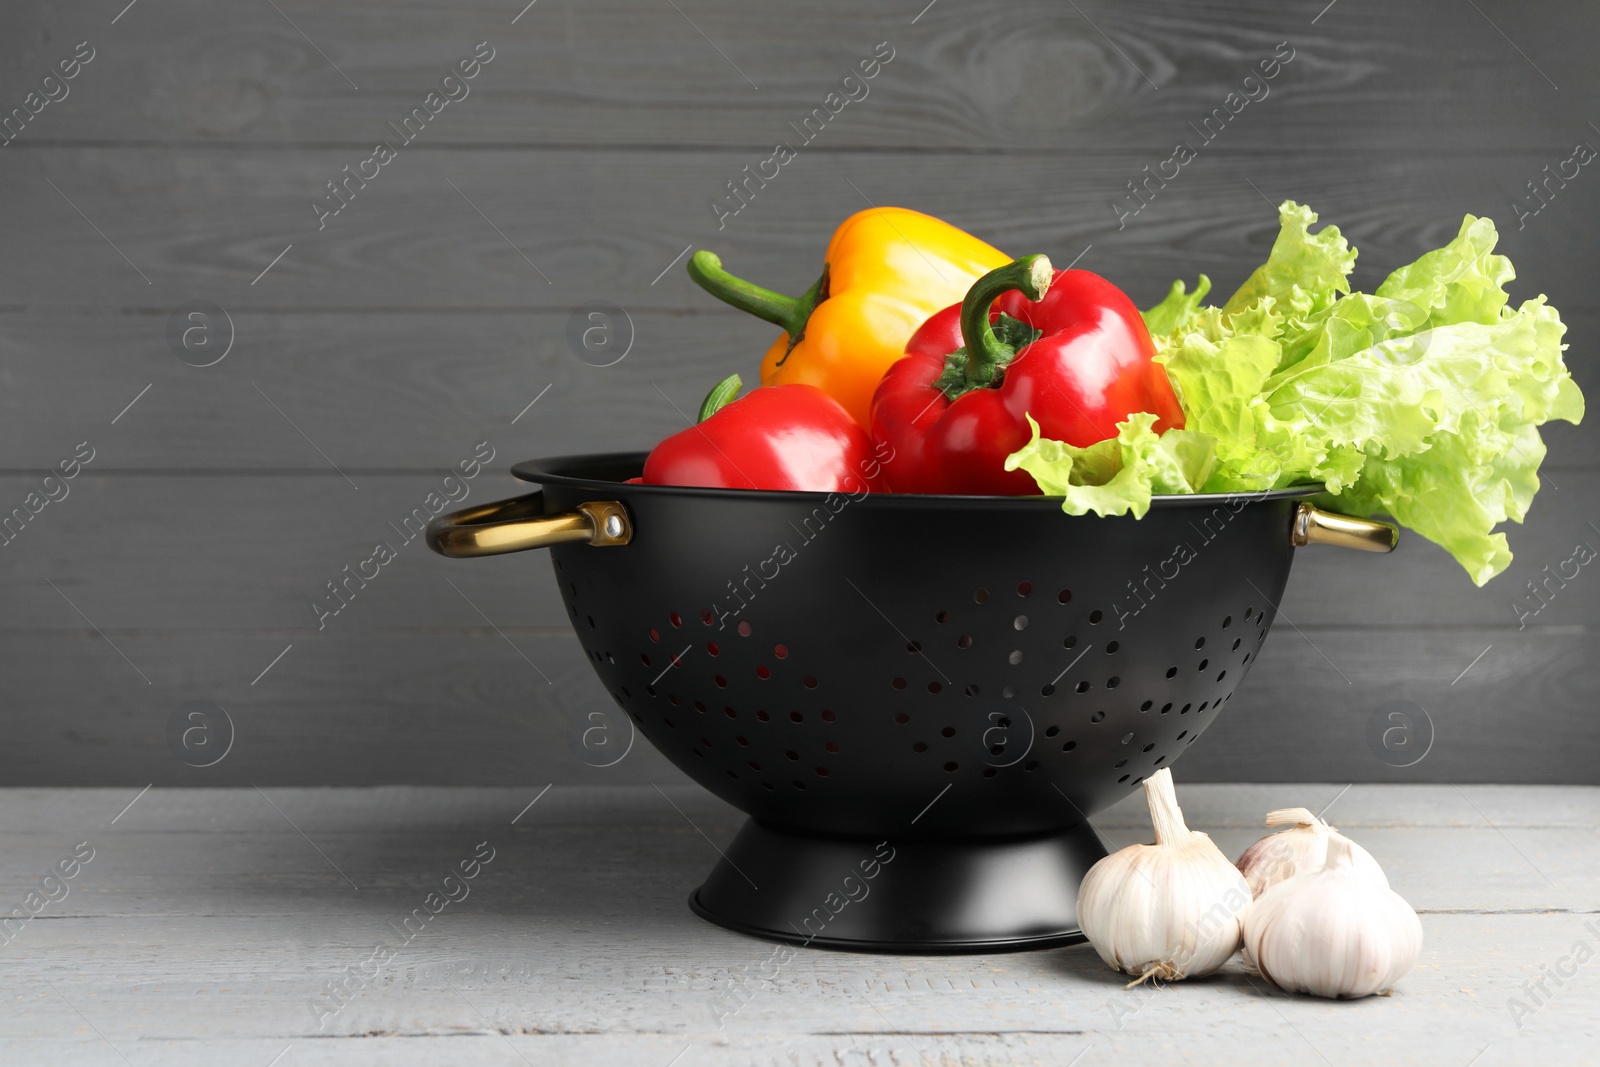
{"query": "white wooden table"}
pixel 211 927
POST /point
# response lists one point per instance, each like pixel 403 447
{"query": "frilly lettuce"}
pixel 1421 401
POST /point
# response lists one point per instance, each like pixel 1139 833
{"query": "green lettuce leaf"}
pixel 1119 475
pixel 1420 401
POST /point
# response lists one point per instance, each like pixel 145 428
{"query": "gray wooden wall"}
pixel 376 352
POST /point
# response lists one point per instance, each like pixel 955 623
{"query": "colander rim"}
pixel 566 470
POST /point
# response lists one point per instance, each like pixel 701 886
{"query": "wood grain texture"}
pixel 1044 76
pixel 206 925
pixel 203 222
pixel 427 315
pixel 123 548
pixel 463 706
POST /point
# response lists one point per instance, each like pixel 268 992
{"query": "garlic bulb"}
pixel 1169 910
pixel 1334 932
pixel 1303 847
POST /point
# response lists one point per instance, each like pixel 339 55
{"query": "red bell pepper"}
pixel 776 437
pixel 1072 351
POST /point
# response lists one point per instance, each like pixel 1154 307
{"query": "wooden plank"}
pixel 156 553
pixel 206 925
pixel 387 390
pixel 409 241
pixel 461 705
pixel 640 73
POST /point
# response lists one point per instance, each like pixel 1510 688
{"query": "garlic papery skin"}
pixel 1169 910
pixel 1333 932
pixel 1302 847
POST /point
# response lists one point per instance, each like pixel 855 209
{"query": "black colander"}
pixel 919 700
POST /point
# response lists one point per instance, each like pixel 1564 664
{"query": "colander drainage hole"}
pixel 1064 597
pixel 941 616
pixel 1237 641
pixel 1166 708
pixel 951 766
pixel 1019 623
pixel 1047 690
pixel 1008 691
pixel 1015 657
pixel 1199 642
pixel 1119 764
pixel 700 707
pixel 1202 665
pixel 1083 687
pixel 763 672
pixel 948 731
pixel 1148 747
pixel 707 617
pixel 1069 746
pixel 964 641
pixel 902 718
pixel 744 628
pixel 832 746
pixel 1221 675
pixel 711 647
pixel 1070 641
pixel 1113 682
pixel 1024 588
pixel 795 716
pixel 1147 705
pixel 920 746
pixel 655 635
pixel 1227 621
pixel 809 682
pixel 1181 735
pixel 705 742
pixel 1097 716
pixel 1185 709
pixel 1172 672
pixel 754 766
pixel 914 647
pixel 1127 737
pixel 645 659
pixel 1031 765
pixel 989 772
pixel 732 774
pixel 763 716
pixel 1111 648
pixel 766 785
pixel 971 690
pixel 1124 778
pixel 743 742
pixel 798 784
pixel 899 683
pixel 1095 617
pixel 934 687
pixel 1052 731
pixel 822 772
pixel 730 713
pixel 722 683
pixel 980 596
pixel 676 620
pixel 795 756
pixel 781 651
pixel 1160 759
pixel 828 716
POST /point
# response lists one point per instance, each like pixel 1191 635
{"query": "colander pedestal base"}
pixel 933 896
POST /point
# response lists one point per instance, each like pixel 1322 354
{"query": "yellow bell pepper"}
pixel 887 270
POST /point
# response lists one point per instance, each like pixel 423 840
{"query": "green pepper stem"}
pixel 788 312
pixel 721 396
pixel 986 353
